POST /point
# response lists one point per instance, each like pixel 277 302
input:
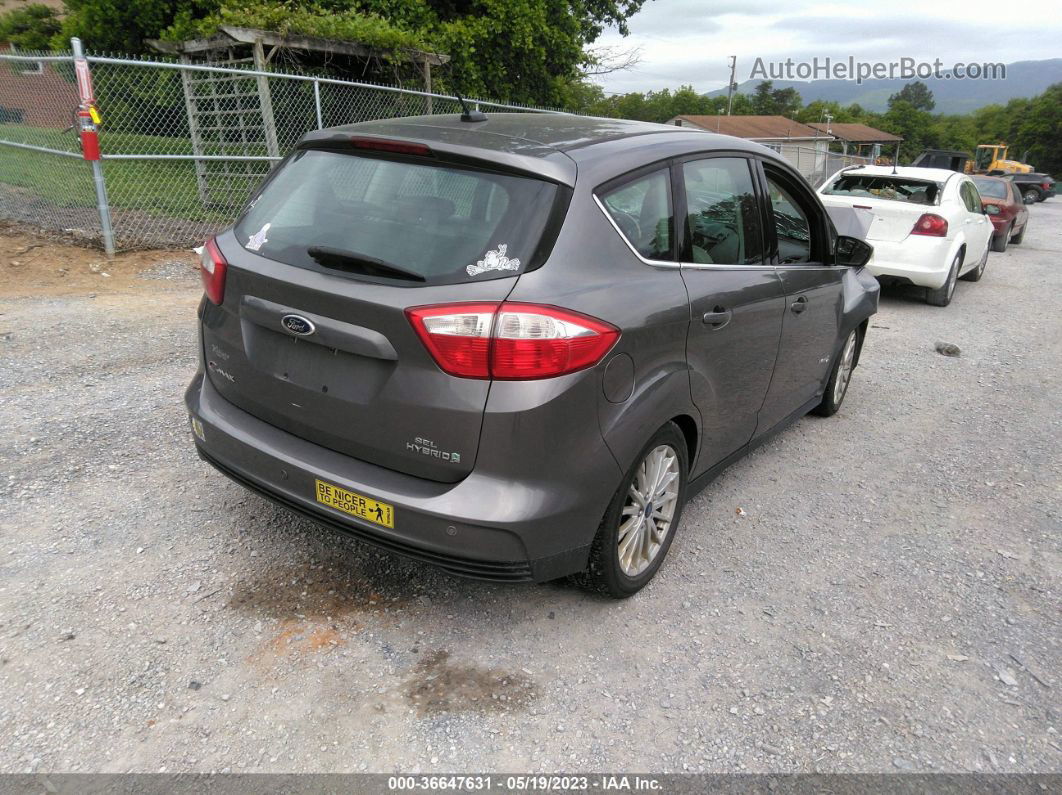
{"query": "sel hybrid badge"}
pixel 297 324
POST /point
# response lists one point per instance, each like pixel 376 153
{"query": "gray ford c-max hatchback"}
pixel 513 347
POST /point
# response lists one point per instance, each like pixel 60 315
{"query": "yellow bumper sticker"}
pixel 355 504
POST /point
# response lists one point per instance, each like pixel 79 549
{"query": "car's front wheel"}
pixel 837 386
pixel 641 520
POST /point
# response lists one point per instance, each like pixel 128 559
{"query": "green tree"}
pixel 528 51
pixel 30 27
pixel 1040 131
pixel 916 94
pixel 912 124
pixel 770 101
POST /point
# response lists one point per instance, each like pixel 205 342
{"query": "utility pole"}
pixel 732 87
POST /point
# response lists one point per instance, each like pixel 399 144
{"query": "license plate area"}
pixel 314 367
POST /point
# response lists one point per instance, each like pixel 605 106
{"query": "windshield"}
pixel 991 188
pixel 390 219
pixel 873 186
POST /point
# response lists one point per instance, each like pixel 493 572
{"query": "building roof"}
pixel 757 128
pixel 856 133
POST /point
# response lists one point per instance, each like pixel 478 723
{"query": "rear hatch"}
pixel 896 201
pixel 312 334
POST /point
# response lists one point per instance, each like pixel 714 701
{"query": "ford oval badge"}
pixel 297 324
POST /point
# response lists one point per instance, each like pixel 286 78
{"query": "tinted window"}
pixel 791 225
pixel 884 187
pixel 642 210
pixel 990 187
pixel 722 215
pixel 970 197
pixel 443 223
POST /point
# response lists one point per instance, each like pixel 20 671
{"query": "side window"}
pixel 643 211
pixel 723 217
pixel 791 225
pixel 971 198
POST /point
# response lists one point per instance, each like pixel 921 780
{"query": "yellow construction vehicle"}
pixel 992 158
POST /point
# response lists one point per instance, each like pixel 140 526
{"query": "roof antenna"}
pixel 468 113
pixel 896 158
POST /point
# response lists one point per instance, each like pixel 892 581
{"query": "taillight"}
pixel 931 225
pixel 1046 186
pixel 457 336
pixel 212 267
pixel 511 341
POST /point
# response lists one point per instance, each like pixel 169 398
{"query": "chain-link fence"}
pixel 816 165
pixel 182 145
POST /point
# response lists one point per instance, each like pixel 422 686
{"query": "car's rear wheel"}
pixel 941 296
pixel 999 242
pixel 976 274
pixel 1032 195
pixel 642 518
pixel 840 376
pixel 1016 240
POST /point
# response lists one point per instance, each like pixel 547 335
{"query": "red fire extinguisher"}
pixel 88 130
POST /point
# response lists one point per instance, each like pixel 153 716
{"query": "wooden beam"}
pixel 297 41
pixel 269 123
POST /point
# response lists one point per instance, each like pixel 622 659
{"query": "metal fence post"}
pixel 85 93
pixel 317 103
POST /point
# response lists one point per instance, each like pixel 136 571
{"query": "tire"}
pixel 1016 240
pixel 976 274
pixel 607 572
pixel 942 296
pixel 1031 195
pixel 840 376
pixel 999 242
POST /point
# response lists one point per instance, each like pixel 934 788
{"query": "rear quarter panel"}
pixel 591 270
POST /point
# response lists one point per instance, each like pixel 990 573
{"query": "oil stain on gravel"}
pixel 441 686
pixel 312 590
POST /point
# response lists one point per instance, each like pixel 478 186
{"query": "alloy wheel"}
pixel 649 510
pixel 844 372
pixel 953 277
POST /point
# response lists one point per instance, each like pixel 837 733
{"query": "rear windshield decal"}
pixel 258 239
pixel 493 260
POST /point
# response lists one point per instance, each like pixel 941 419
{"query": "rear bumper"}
pixel 924 261
pixel 1000 225
pixel 487 526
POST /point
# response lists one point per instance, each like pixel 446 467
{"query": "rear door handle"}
pixel 718 318
pixel 799 305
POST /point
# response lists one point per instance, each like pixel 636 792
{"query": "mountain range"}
pixel 1024 79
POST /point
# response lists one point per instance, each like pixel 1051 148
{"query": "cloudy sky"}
pixel 689 41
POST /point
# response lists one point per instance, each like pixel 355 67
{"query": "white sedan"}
pixel 928 227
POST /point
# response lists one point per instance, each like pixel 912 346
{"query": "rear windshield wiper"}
pixel 361 263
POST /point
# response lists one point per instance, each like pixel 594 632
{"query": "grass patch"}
pixel 156 187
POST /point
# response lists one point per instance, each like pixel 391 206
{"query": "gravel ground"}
pixel 886 599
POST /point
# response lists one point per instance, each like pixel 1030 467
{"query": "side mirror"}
pixel 852 252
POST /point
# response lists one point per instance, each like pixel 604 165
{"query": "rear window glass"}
pixel 989 187
pixel 870 186
pixel 375 218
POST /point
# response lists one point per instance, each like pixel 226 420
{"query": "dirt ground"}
pixel 33 264
pixel 886 599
